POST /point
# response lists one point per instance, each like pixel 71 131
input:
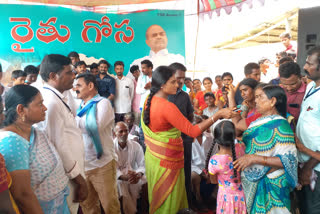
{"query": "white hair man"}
pixel 130 168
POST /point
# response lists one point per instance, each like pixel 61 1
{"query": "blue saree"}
pixel 270 193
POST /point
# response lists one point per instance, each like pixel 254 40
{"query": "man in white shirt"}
pixel 144 81
pixel 130 168
pixel 124 92
pixel 308 137
pixel 157 40
pixel 60 124
pixel 95 119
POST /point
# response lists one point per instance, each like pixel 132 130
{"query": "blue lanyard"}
pixel 310 93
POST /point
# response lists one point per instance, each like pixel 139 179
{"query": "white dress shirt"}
pixel 105 118
pixel 199 152
pixel 163 57
pixel 124 95
pixel 61 128
pixel 309 123
pixel 142 81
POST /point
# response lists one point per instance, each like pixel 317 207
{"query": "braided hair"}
pixel 234 157
pixel 224 135
pixel 159 77
pixel 209 153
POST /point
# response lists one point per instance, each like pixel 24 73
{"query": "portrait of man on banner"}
pixel 157 40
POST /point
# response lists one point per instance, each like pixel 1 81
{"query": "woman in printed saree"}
pixel 162 123
pixel 39 183
pixel 269 168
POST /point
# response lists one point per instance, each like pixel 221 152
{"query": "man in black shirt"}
pixel 182 101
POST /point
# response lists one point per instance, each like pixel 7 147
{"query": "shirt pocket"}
pixel 312 117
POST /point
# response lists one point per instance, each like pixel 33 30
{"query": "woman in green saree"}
pixel 162 123
pixel 269 168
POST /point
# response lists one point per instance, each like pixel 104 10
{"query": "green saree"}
pixel 164 162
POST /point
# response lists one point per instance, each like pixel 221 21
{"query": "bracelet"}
pixel 212 119
pixel 264 160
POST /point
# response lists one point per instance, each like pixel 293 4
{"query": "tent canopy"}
pixel 265 33
pixel 93 3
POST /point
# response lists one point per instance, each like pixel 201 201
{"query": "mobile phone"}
pixel 238 110
pixel 294 105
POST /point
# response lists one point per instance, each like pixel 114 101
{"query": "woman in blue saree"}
pixel 269 168
pixel 39 182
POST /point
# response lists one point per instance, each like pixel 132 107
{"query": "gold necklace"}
pixel 18 127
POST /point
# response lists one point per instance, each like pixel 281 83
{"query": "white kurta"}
pixel 199 152
pixel 130 158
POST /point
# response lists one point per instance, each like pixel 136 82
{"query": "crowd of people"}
pixel 74 134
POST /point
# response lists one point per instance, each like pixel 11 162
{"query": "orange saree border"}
pixel 163 188
pixel 171 155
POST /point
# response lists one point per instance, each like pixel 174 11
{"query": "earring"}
pixel 23 118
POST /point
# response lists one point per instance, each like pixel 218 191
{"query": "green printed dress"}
pixel 270 136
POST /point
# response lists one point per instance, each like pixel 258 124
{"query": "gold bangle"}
pixel 264 160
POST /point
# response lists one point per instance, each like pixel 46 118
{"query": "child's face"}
pixel 285 41
pixel 210 101
pixel 19 81
pixel 81 69
pixel 225 95
pixel 94 71
pixel 188 83
pixel 31 78
pixel 227 80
